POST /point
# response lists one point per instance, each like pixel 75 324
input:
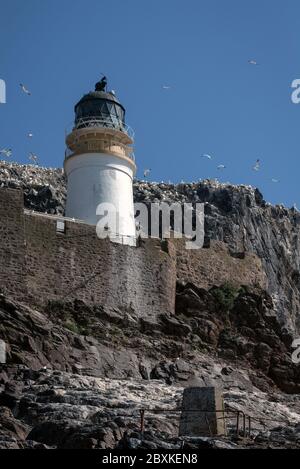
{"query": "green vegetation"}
pixel 225 295
pixel 69 315
pixel 55 305
pixel 73 327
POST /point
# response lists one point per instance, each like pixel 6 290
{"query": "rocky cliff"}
pixel 77 375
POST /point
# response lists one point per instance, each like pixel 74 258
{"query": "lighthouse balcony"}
pixel 109 122
pixel 100 146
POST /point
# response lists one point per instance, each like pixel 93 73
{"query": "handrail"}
pixel 227 414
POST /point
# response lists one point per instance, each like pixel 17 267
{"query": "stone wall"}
pixel 77 264
pixel 40 264
pixel 12 242
pixel 216 265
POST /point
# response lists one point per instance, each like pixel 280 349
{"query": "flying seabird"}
pixel 6 152
pixel 24 89
pixel 33 157
pixel 256 167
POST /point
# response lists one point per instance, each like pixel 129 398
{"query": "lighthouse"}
pixel 99 166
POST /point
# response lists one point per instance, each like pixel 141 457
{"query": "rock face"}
pixel 54 409
pixel 234 325
pixel 236 215
pixel 242 325
pixel 44 188
pixel 77 375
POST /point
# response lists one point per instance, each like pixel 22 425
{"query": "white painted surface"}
pixel 96 178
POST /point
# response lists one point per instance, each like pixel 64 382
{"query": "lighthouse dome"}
pixel 99 108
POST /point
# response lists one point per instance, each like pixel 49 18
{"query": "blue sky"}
pixel 217 103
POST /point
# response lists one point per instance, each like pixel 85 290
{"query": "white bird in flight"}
pixel 221 166
pixel 256 167
pixel 30 135
pixel 275 180
pixel 24 89
pixel 33 157
pixel 147 172
pixel 6 152
pixel 166 87
pixel 252 62
pixel 205 155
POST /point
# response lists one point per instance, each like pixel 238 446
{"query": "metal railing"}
pixel 120 238
pixel 110 122
pixel 241 427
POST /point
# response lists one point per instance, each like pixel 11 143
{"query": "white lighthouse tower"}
pixel 100 166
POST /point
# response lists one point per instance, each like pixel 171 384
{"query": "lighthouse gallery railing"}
pixel 110 122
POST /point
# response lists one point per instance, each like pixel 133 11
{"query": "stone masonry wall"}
pixel 79 265
pixel 216 265
pixel 39 264
pixel 12 242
